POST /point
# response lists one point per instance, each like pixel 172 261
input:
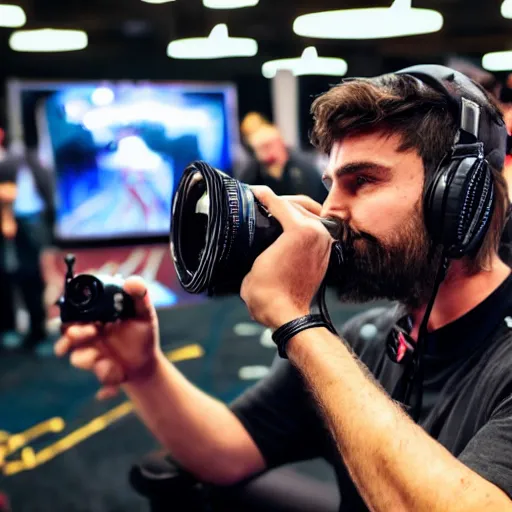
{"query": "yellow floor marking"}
pixel 29 459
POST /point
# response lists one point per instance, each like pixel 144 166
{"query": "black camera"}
pixel 219 228
pixel 90 298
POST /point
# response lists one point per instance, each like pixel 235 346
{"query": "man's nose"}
pixel 335 206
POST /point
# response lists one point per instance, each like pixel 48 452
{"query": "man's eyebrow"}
pixel 355 167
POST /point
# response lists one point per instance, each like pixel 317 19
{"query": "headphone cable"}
pixel 414 375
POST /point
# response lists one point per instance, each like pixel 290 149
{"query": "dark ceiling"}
pixel 128 38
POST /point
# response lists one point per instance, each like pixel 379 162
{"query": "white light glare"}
pixel 229 4
pixel 372 23
pixel 217 45
pixel 48 40
pixel 102 96
pixel 497 61
pixel 12 16
pixel 157 1
pixel 308 64
pixel 506 9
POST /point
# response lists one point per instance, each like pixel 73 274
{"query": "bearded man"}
pixel 417 416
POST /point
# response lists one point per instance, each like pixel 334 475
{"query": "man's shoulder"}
pixel 380 318
pixel 494 366
pixel 367 331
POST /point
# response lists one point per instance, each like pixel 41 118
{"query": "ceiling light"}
pixel 157 1
pixel 229 4
pixel 372 23
pixel 48 40
pixel 217 45
pixel 12 16
pixel 506 9
pixel 308 64
pixel 497 61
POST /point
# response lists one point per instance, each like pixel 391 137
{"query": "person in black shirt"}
pixel 431 433
pixel 8 231
pixel 285 170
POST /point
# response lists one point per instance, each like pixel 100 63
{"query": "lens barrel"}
pixel 218 229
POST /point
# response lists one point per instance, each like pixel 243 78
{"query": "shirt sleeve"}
pixel 280 416
pixel 489 453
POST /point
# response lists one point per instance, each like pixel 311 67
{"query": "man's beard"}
pixel 402 268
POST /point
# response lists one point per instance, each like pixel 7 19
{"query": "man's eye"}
pixel 361 180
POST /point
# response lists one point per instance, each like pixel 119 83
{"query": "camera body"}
pixel 93 298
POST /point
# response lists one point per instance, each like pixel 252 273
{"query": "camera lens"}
pixel 218 230
pixel 83 291
pixel 195 217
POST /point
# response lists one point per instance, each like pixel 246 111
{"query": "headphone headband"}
pixel 472 110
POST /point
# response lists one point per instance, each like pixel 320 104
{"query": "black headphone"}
pixel 459 200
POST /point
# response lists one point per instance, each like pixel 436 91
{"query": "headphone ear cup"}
pixel 460 205
pixel 477 208
pixel 434 200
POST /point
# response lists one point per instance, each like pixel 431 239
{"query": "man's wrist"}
pixel 289 330
pixel 147 372
pixel 283 316
pixel 306 341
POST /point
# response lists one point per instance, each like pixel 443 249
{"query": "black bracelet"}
pixel 286 332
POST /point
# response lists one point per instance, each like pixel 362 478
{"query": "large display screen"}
pixel 119 152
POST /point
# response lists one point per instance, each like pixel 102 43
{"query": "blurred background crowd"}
pixel 103 103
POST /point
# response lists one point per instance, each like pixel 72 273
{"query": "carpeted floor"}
pixel 91 473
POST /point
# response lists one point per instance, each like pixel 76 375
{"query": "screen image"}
pixel 119 153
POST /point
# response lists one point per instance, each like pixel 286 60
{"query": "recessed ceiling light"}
pixel 308 64
pixel 506 9
pixel 157 1
pixel 497 61
pixel 12 16
pixel 48 40
pixel 372 23
pixel 216 46
pixel 229 4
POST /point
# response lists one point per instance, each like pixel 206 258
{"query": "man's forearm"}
pixel 201 433
pixel 393 462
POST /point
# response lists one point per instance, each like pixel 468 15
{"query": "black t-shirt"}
pixel 467 394
pixel 8 170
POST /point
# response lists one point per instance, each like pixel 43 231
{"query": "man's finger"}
pixel 304 211
pixel 136 287
pixel 75 336
pixel 107 392
pixel 62 346
pixel 306 202
pixel 108 372
pixel 85 358
pixel 282 210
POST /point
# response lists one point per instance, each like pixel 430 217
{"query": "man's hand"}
pixel 285 278
pixel 118 352
pixel 305 202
